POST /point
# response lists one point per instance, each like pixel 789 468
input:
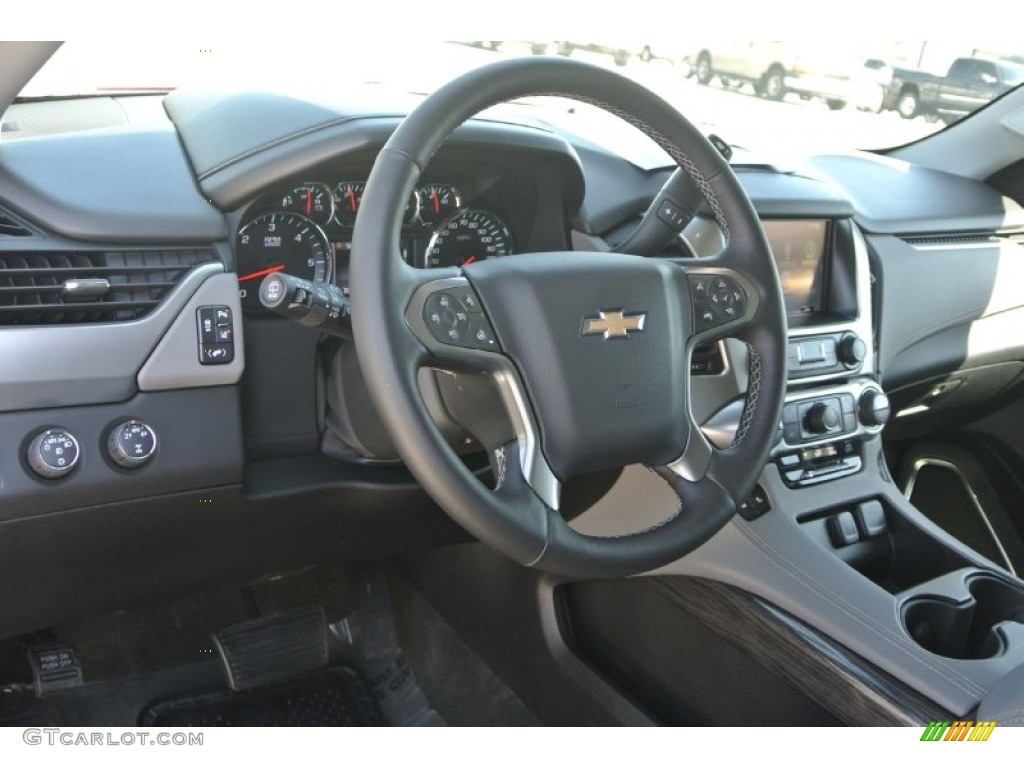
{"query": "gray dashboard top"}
pixel 891 196
pixel 121 184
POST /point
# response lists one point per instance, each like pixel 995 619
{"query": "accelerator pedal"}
pixel 273 648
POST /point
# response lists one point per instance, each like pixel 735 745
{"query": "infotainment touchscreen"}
pixel 799 248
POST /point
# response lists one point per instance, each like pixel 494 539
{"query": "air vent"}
pixel 961 239
pixel 56 288
pixel 10 227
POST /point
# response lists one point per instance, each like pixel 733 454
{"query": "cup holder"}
pixel 966 628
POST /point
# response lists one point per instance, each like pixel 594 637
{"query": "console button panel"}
pixel 828 353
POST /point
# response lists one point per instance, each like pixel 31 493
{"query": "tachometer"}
pixel 468 236
pixel 281 242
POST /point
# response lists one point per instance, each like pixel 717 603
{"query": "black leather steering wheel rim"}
pixel 387 298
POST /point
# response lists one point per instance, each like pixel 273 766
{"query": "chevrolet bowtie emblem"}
pixel 614 325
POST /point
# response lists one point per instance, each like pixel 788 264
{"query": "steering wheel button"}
pixel 467 298
pixel 706 317
pixel 480 335
pixel 699 287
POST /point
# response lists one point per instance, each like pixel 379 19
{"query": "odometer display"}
pixel 281 242
pixel 472 235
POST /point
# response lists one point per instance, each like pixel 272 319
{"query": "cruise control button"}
pixel 468 299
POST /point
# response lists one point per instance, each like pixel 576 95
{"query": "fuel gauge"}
pixel 312 200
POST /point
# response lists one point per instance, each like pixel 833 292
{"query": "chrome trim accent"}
pixel 925 462
pixel 532 463
pixel 83 288
pixel 534 466
pixel 696 458
pixel 721 428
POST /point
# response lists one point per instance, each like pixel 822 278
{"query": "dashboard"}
pixel 126 298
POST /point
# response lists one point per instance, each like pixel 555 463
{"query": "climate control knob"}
pixel 852 350
pixel 53 453
pixel 131 444
pixel 821 418
pixel 873 407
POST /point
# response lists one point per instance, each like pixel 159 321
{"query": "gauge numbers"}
pixel 280 242
pixel 469 236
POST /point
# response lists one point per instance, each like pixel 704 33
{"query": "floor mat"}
pixel 330 697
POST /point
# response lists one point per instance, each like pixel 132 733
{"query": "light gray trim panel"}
pixel 174 364
pixel 81 364
pixel 775 559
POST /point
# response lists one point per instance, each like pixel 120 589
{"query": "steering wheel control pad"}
pixel 453 316
pixel 717 300
pixel 600 342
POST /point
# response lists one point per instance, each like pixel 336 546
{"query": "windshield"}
pixel 760 96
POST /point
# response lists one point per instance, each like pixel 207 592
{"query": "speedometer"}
pixel 469 236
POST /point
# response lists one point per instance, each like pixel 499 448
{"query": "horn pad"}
pixel 600 343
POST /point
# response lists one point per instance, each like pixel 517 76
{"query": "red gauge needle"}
pixel 352 200
pixel 469 261
pixel 309 201
pixel 437 203
pixel 261 273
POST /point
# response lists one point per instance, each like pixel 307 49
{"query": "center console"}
pixel 828 536
pixel 833 400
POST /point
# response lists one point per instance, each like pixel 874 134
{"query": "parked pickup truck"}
pixel 969 84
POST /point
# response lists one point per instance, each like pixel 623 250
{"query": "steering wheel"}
pixel 590 352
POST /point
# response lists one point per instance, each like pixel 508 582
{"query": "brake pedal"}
pixel 273 648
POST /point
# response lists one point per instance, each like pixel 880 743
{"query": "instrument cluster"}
pixel 307 232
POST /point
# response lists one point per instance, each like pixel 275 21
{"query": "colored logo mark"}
pixel 958 730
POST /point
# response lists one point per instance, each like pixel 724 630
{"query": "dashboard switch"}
pixel 852 350
pixel 871 519
pixel 53 453
pixel 216 335
pixel 874 408
pixel 821 419
pixel 131 444
pixel 842 530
